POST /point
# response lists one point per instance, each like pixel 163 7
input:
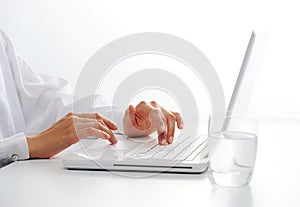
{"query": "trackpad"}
pixel 101 150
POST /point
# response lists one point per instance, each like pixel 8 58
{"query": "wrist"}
pixel 33 146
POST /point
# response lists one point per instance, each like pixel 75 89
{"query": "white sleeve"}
pixel 13 148
pixel 51 98
pixel 44 99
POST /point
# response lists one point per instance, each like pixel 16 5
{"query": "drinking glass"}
pixel 233 151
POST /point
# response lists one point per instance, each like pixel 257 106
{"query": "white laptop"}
pixel 187 154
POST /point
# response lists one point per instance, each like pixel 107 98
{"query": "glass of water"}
pixel 233 151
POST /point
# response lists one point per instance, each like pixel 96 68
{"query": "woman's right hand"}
pixel 69 130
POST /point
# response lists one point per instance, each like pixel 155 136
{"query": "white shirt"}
pixel 31 102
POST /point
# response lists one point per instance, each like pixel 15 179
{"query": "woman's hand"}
pixel 146 118
pixel 69 130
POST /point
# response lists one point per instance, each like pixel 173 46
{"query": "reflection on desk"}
pixel 231 197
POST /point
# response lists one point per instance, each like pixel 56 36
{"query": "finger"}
pixel 86 115
pixel 101 120
pixel 158 121
pixel 92 132
pixel 82 122
pixel 171 127
pixel 141 104
pixel 109 123
pixel 77 120
pixel 94 124
pixel 131 113
pixel 170 124
pixel 97 116
pixel 179 119
pixel 83 125
pixel 143 115
pixel 112 138
pixel 161 131
pixel 154 103
pixel 162 139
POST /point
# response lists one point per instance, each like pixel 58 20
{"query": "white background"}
pixel 59 36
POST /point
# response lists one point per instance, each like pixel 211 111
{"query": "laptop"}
pixel 187 154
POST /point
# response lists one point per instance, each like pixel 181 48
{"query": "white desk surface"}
pixel 275 182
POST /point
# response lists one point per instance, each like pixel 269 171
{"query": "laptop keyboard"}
pixel 184 148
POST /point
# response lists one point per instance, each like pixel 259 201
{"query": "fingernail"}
pixel 164 142
pixel 170 140
pixel 107 136
pixel 113 140
pixel 181 126
pixel 162 127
